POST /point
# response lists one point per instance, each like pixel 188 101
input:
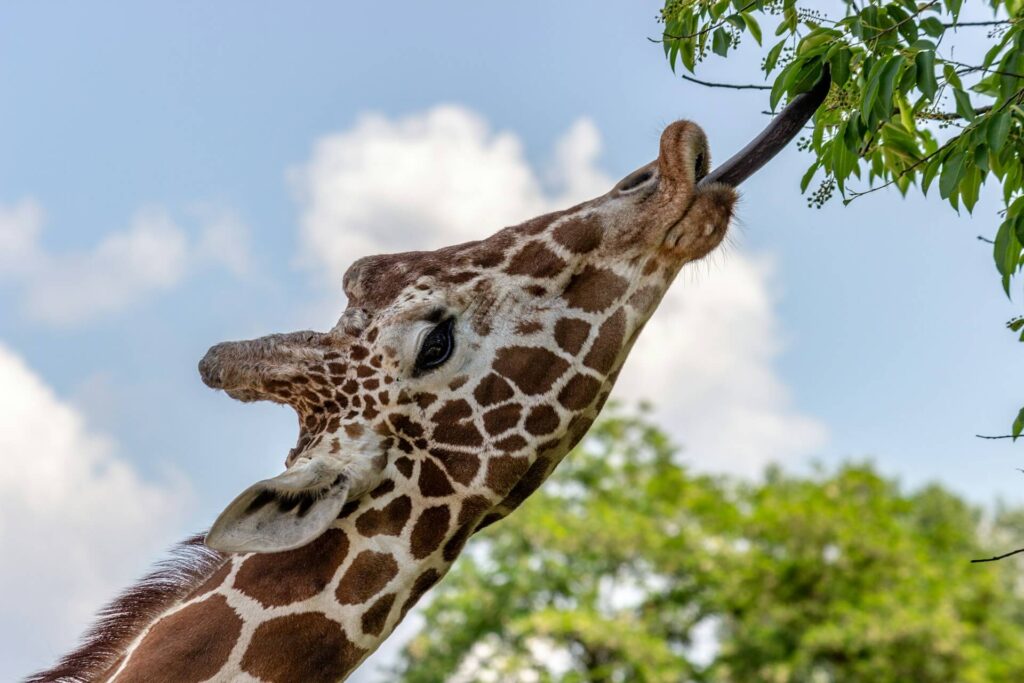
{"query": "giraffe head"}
pixel 449 368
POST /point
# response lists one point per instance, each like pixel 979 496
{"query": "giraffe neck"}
pixel 315 613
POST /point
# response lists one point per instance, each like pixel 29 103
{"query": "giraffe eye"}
pixel 437 347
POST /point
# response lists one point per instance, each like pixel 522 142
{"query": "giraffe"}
pixel 451 386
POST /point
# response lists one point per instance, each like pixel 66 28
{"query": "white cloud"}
pixel 77 522
pixel 706 359
pixel 706 362
pixel 153 254
pixel 426 181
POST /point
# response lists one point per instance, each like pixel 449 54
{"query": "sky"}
pixel 172 177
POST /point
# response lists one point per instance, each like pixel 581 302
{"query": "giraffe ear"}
pixel 285 512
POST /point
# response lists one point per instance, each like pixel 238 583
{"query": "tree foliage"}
pixel 619 564
pixel 910 106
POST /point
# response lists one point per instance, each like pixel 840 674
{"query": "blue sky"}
pixel 174 177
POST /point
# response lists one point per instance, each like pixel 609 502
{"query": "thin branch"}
pixel 958 24
pixel 854 194
pixel 1001 557
pixel 733 86
pixel 985 239
pixel 967 68
pixel 951 115
pixel 985 436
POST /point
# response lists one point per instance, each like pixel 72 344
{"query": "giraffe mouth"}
pixel 247 370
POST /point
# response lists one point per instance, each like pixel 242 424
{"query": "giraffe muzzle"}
pixel 242 368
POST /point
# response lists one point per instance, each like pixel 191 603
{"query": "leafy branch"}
pixel 902 112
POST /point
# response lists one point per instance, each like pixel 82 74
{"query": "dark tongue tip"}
pixel 782 129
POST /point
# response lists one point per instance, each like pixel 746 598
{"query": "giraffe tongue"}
pixel 773 138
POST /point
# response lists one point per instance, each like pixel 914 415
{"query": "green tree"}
pixel 910 105
pixel 615 568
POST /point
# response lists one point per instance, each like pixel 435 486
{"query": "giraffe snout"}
pixel 245 369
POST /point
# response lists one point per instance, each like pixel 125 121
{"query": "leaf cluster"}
pixel 903 110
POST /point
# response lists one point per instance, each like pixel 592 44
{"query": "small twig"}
pixel 967 68
pixel 1001 557
pixel 985 436
pixel 998 22
pixel 952 115
pixel 985 239
pixel 733 86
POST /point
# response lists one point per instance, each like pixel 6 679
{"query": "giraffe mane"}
pixel 190 562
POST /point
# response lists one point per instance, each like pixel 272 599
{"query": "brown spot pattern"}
pixel 376 617
pixel 433 482
pixel 404 465
pixel 461 467
pixel 388 520
pixel 532 369
pixel 504 471
pixel 535 260
pixel 429 530
pixel 542 420
pixel 594 289
pixel 369 572
pixel 300 648
pixel 452 425
pixel 605 351
pixel 578 392
pixel 571 334
pixel 276 579
pixel 423 583
pixel 189 646
pixel 492 389
pixel 578 235
pixel 498 420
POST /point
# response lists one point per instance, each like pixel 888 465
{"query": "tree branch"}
pixel 733 86
pixel 985 436
pixel 998 22
pixel 951 115
pixel 1000 557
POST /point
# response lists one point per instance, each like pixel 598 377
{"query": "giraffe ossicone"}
pixel 450 388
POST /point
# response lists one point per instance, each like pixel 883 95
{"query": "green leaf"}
pixel 886 83
pixel 932 26
pixel 806 180
pixel 952 172
pixel 1018 424
pixel 970 186
pixel 951 76
pixel 924 62
pixel 928 174
pixel 753 27
pixel 773 56
pixel 720 42
pixel 908 29
pixel 782 83
pixel 1006 250
pixel 998 130
pixel 963 104
pixel 867 104
pixel 839 64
